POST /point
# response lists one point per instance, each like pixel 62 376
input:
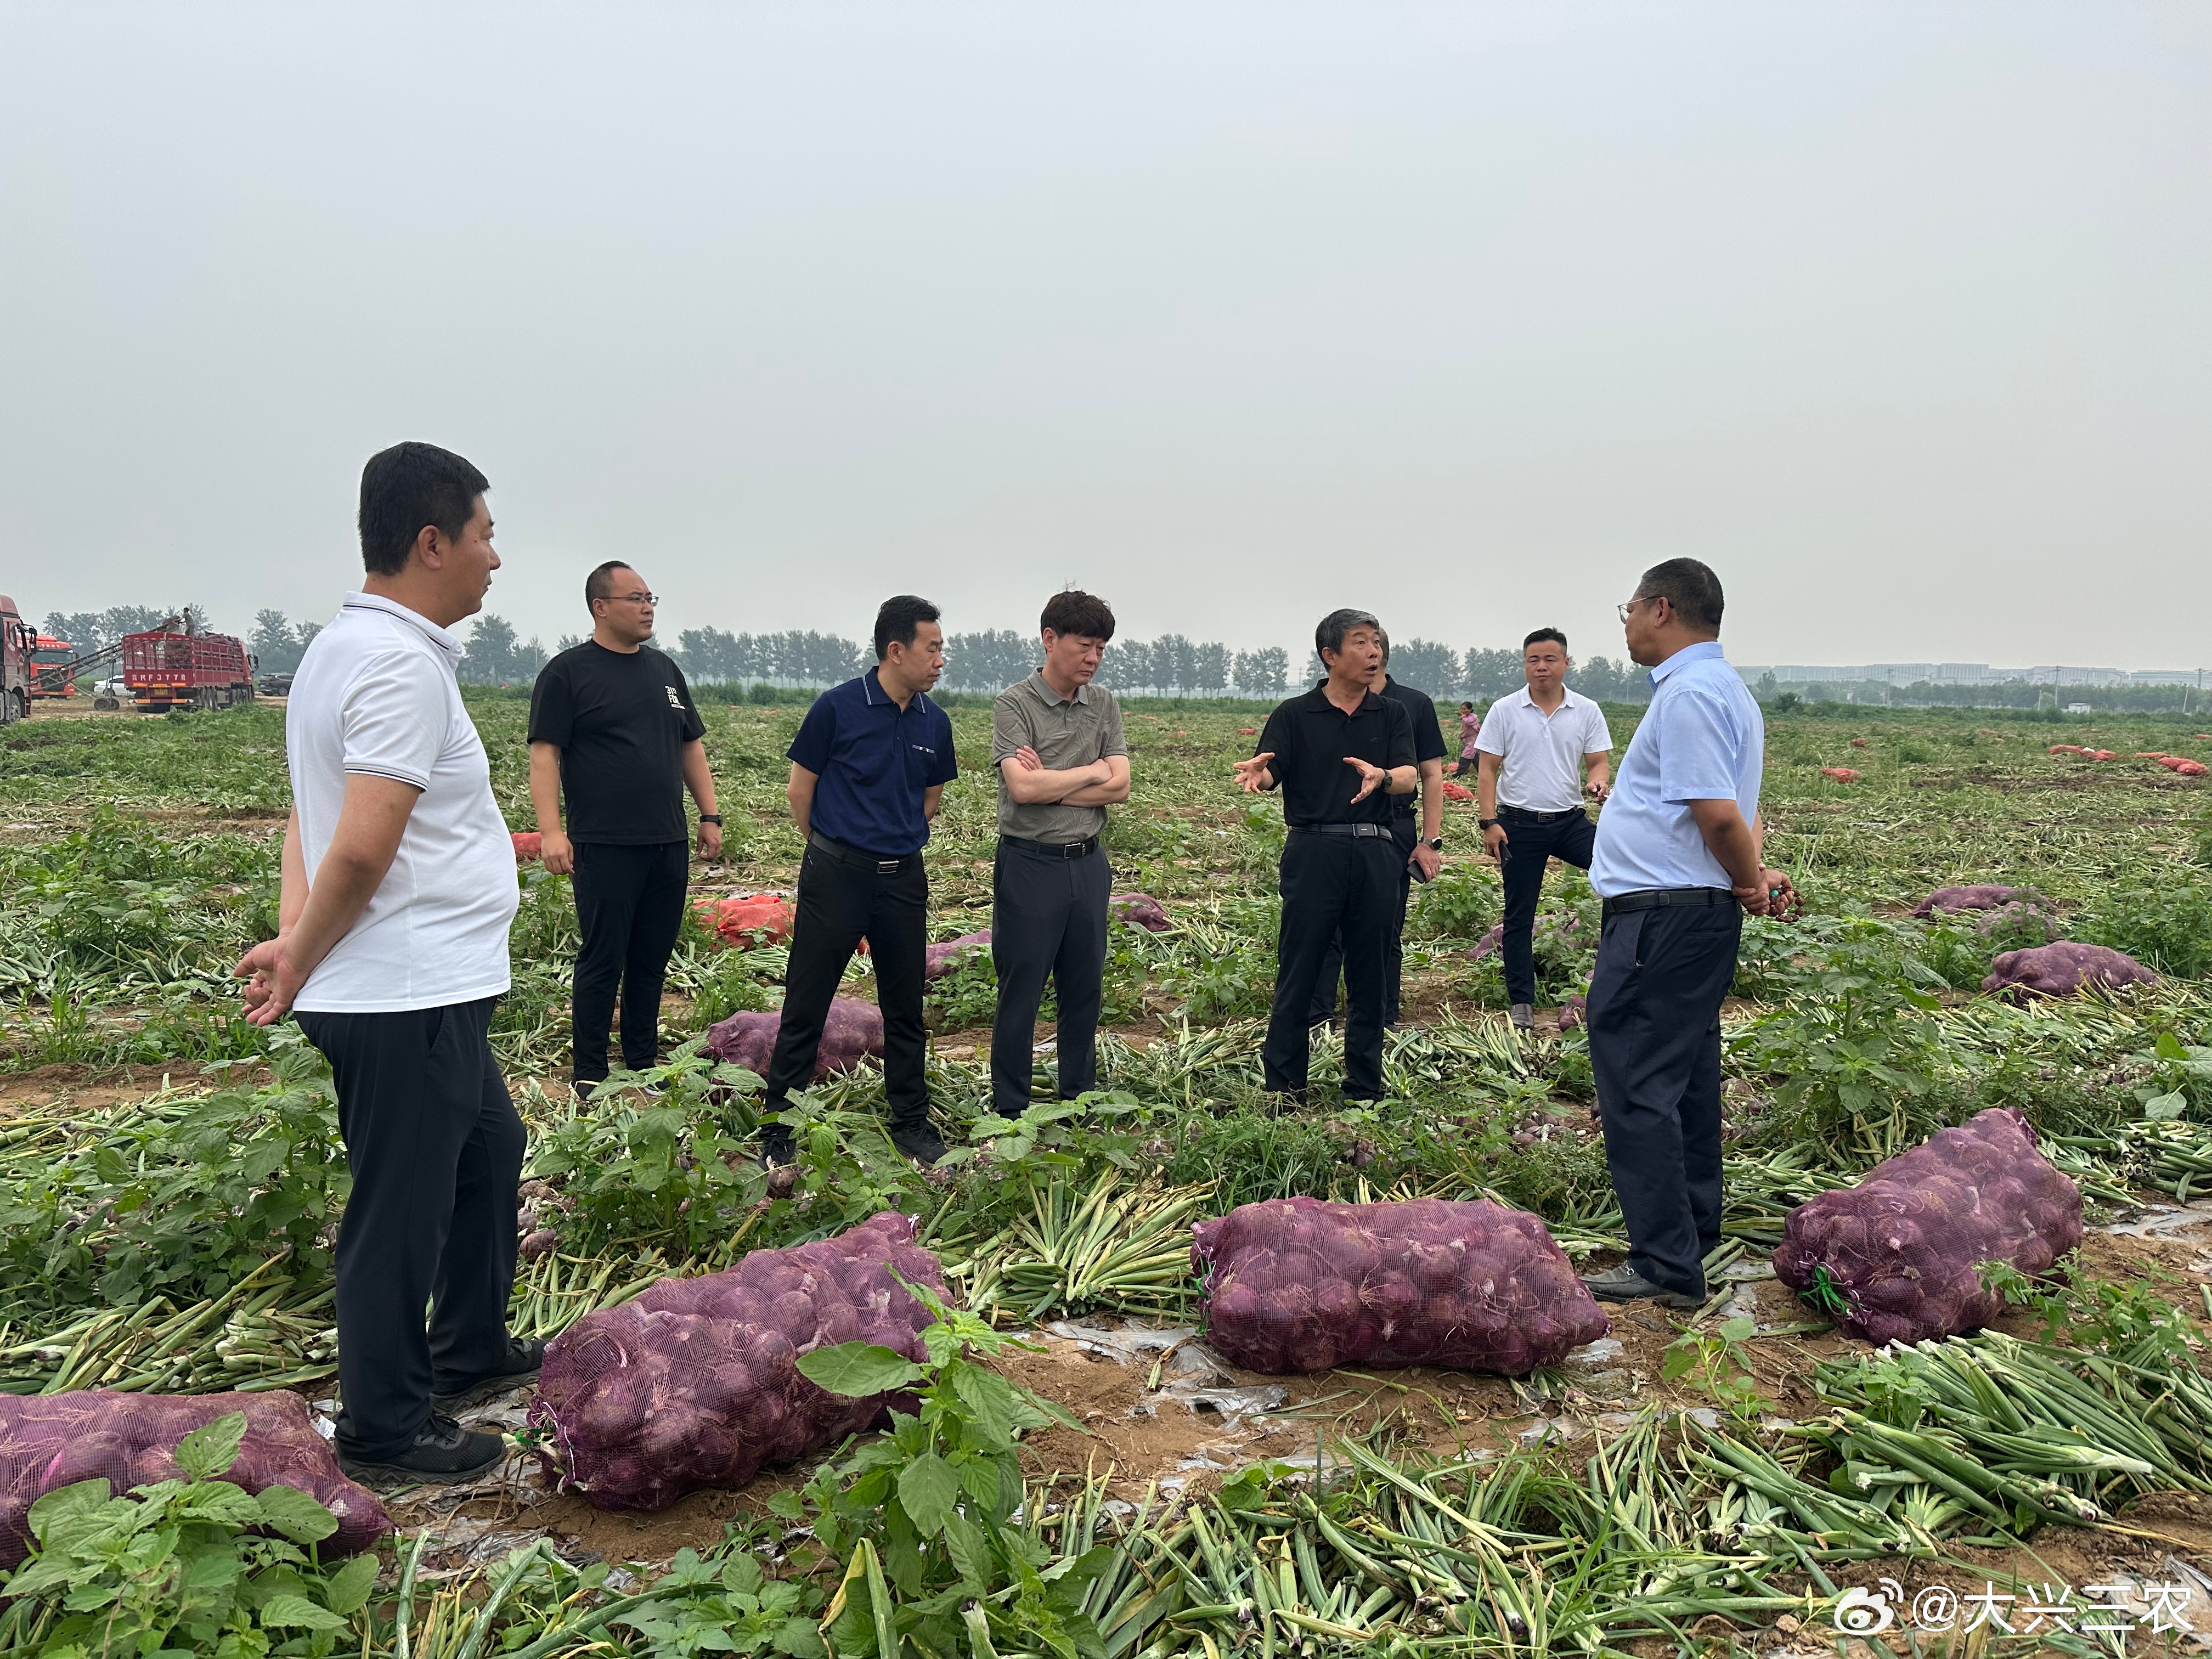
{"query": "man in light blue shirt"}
pixel 1677 863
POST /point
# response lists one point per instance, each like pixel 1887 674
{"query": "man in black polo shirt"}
pixel 868 768
pixel 1418 829
pixel 613 728
pixel 1339 753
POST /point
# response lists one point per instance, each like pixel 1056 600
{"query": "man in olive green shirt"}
pixel 1056 740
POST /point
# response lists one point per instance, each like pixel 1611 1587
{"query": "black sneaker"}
pixel 524 1357
pixel 444 1454
pixel 778 1149
pixel 919 1142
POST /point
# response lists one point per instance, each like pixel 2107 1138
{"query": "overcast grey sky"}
pixel 1896 314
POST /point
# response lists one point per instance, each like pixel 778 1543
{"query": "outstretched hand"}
pixel 1252 776
pixel 1371 776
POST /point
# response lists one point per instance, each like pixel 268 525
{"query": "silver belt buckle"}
pixel 888 866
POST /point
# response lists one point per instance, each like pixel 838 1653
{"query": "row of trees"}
pixel 1170 664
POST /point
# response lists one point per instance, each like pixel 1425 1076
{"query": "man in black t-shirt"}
pixel 612 727
pixel 1339 753
pixel 1418 828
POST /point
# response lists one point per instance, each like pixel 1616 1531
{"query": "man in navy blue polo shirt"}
pixel 868 768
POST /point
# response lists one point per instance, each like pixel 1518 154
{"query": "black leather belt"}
pixel 859 857
pixel 1653 898
pixel 1379 830
pixel 1527 816
pixel 1049 849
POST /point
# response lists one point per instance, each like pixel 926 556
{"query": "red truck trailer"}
pixel 17 636
pixel 167 669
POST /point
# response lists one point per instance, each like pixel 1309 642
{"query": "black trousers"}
pixel 841 902
pixel 1047 919
pixel 1332 884
pixel 435 1148
pixel 1528 845
pixel 1405 829
pixel 1655 1035
pixel 629 902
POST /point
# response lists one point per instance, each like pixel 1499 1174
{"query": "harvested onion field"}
pixel 1741 1479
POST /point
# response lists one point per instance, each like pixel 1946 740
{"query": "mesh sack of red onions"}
pixel 696 1383
pixel 1295 1284
pixel 1898 1258
pixel 52 1441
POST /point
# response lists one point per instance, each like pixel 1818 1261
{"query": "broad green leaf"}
pixel 858 1369
pixel 297 1516
pixel 742 1575
pixel 784 1505
pixel 928 1488
pixel 798 1639
pixel 2163 1108
pixel 2169 1047
pixel 969 1552
pixel 220 1502
pixel 216 1570
pixel 351 1585
pixel 290 1611
pixel 989 1400
pixel 63 1502
pixel 1738 1330
pixel 213 1447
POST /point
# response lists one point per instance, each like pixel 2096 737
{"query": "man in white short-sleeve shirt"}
pixel 1541 752
pixel 398 888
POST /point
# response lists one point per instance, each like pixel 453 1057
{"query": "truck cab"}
pixel 48 653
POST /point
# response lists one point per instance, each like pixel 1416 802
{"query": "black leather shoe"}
pixel 778 1149
pixel 920 1142
pixel 523 1359
pixel 444 1454
pixel 1625 1283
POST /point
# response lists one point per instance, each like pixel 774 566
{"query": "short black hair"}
pixel 900 618
pixel 1545 634
pixel 406 487
pixel 1329 635
pixel 600 584
pixel 1689 586
pixel 1075 611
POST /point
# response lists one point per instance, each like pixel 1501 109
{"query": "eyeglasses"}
pixel 1622 610
pixel 640 598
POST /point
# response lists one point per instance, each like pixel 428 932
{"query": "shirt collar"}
pixel 1703 651
pixel 871 689
pixel 1043 688
pixel 1318 698
pixel 438 636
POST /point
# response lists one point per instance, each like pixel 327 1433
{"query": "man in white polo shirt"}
pixel 398 888
pixel 1540 753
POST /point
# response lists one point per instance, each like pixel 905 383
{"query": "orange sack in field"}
pixel 1457 790
pixel 749 922
pixel 1840 774
pixel 529 847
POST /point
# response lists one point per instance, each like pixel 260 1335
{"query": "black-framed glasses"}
pixel 640 598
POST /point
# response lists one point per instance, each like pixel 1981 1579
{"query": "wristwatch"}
pixel 714 818
pixel 1435 843
pixel 1485 823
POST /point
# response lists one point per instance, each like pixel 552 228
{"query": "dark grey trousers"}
pixel 1654 1037
pixel 1048 918
pixel 435 1148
